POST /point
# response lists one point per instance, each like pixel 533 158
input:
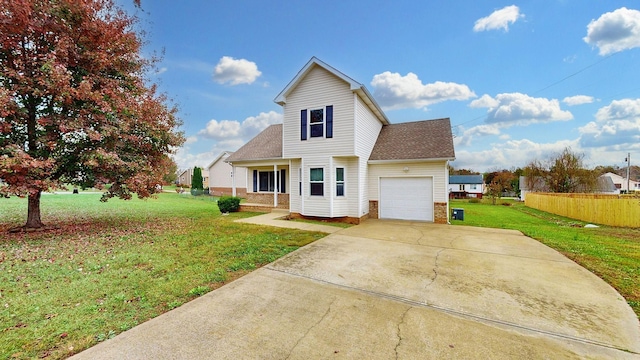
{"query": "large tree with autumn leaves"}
pixel 76 106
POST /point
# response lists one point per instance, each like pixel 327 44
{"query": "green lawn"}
pixel 611 253
pixel 110 266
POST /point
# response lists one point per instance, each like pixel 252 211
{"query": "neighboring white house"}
pixel 222 177
pixel 621 182
pixel 336 155
pixel 466 186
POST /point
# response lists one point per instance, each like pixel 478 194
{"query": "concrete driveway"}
pixel 398 290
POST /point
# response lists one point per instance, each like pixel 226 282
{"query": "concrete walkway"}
pixel 398 290
pixel 274 219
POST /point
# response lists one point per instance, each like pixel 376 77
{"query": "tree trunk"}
pixel 33 212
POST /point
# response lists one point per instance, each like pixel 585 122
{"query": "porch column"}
pixel 233 180
pixel 276 185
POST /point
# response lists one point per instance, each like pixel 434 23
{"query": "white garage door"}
pixel 407 198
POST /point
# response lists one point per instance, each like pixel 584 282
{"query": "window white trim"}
pixel 321 124
pixel 340 184
pixel 319 190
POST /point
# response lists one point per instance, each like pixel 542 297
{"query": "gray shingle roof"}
pixel 266 145
pixel 428 139
pixel 465 179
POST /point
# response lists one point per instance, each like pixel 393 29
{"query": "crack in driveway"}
pixel 311 328
pixel 399 333
pixel 435 268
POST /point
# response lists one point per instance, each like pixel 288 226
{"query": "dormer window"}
pixel 316 122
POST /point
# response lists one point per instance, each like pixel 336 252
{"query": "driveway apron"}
pixel 398 290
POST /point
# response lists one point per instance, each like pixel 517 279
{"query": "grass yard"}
pixel 111 266
pixel 611 253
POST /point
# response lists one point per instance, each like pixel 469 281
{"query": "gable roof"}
pixel 222 154
pixel 266 145
pixel 420 140
pixel 465 179
pixel 355 86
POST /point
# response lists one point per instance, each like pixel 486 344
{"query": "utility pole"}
pixel 628 160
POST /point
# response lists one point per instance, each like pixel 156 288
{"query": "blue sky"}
pixel 519 80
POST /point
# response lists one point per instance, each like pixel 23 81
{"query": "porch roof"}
pixel 266 145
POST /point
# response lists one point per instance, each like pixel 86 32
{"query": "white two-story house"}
pixel 336 155
pixel 466 186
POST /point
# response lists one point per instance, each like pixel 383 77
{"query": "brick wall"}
pixel 220 191
pixel 373 209
pixel 440 214
pixel 267 199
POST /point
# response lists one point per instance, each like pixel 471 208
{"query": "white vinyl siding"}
pixel 316 205
pixel 317 90
pixel 367 128
pixel 437 170
pixel 220 174
pixel 343 205
pixel 295 200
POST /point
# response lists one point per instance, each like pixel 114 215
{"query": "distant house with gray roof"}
pixel 336 155
pixel 466 186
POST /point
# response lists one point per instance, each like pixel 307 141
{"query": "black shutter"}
pixel 255 180
pixel 329 120
pixel 283 178
pixel 303 125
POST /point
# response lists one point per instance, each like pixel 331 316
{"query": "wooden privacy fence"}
pixel 613 210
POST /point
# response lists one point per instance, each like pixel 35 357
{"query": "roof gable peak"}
pixel 354 86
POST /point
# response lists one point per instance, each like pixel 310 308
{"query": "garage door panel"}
pixel 406 198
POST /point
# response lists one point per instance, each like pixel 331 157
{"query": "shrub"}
pixel 228 204
pixel 474 201
pixel 198 192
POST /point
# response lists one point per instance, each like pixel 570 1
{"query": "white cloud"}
pixel 191 140
pixel 394 91
pixel 617 126
pixel 224 135
pixel 615 31
pixel 578 100
pixel 499 19
pixel 505 155
pixel 481 130
pixel 235 71
pixel 221 129
pixel 252 125
pixel 515 108
pixel 625 109
pixel 245 130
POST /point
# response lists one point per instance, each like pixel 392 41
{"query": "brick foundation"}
pixel 227 191
pixel 267 199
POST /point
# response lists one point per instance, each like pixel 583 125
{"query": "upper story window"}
pixel 316 122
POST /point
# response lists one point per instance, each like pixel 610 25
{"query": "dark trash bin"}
pixel 457 214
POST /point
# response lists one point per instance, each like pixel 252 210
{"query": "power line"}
pixel 549 86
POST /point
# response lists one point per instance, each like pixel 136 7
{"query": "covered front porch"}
pixel 268 186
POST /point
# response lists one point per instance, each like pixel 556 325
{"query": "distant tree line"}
pixel 564 172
